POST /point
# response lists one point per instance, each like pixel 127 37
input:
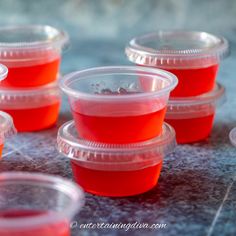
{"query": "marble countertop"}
pixel 197 188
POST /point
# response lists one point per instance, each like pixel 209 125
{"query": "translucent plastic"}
pixel 118 104
pixel 7 129
pixel 32 54
pixel 32 109
pixel 193 117
pixel 232 136
pixel 115 169
pixel 3 72
pixel 37 204
pixel 192 56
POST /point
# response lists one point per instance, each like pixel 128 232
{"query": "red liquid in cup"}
pixel 1 148
pixel 193 129
pixel 34 119
pixel 193 82
pixel 119 129
pixel 116 183
pixel 50 229
pixel 33 75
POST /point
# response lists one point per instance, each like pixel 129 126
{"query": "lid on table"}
pixel 177 49
pixel 104 156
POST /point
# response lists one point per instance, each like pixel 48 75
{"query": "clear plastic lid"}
pixel 20 45
pixel 177 49
pixel 190 107
pixel 232 136
pixel 3 72
pixel 102 156
pixel 18 98
pixel 7 127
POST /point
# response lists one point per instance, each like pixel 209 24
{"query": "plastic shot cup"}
pixel 193 117
pixel 3 72
pixel 7 129
pixel 32 109
pixel 192 56
pixel 37 204
pixel 115 170
pixel 232 136
pixel 32 54
pixel 112 105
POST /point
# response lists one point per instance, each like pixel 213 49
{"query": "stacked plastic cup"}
pixel 118 138
pixel 194 57
pixel 30 93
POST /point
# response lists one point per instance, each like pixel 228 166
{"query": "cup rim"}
pixel 3 72
pixel 61 39
pixel 114 156
pixel 117 70
pixel 212 96
pixel 138 53
pixel 69 188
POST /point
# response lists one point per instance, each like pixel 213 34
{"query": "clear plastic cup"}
pixel 7 129
pixel 192 56
pixel 232 136
pixel 115 169
pixel 37 204
pixel 32 109
pixel 118 104
pixel 193 117
pixel 32 54
pixel 3 72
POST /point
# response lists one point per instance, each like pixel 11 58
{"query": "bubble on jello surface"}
pixel 122 91
pixel 107 91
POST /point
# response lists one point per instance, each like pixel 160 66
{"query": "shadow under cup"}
pixel 118 104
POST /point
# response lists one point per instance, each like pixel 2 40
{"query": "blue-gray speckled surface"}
pixel 197 188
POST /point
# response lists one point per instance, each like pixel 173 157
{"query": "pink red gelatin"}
pixel 116 183
pixel 32 75
pixel 1 148
pixel 50 229
pixel 191 130
pixel 33 119
pixel 119 129
pixel 195 81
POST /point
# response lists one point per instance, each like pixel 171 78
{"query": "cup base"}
pixel 116 183
pixel 192 130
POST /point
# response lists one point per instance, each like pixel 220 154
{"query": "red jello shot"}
pixel 7 129
pixel 193 117
pixel 32 109
pixel 35 204
pixel 111 105
pixel 32 54
pixel 192 56
pixel 115 170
